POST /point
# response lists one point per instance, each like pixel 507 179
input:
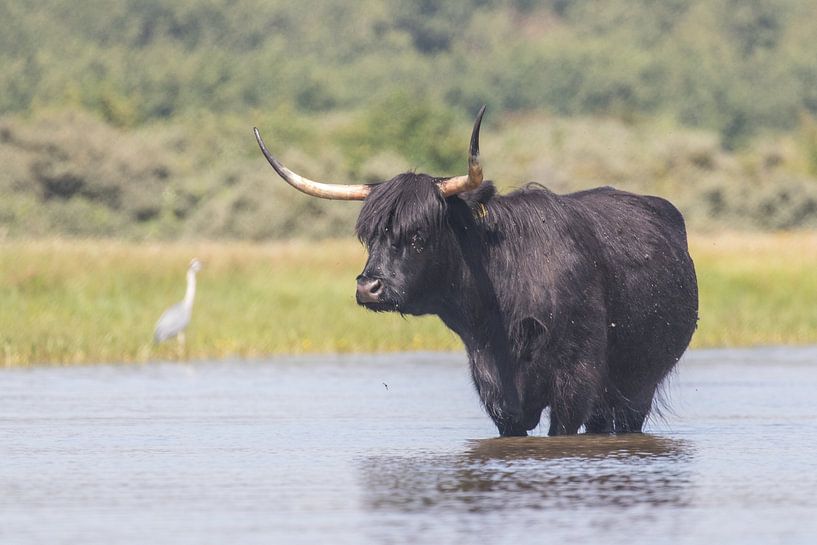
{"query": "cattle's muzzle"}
pixel 369 290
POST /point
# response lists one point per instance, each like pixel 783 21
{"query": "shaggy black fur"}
pixel 582 303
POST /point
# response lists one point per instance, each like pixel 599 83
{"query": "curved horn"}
pixel 316 189
pixel 458 184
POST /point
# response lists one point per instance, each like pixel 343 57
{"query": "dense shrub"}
pixel 734 66
pixel 74 174
pixel 132 117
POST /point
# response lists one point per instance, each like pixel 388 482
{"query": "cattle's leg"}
pixel 630 420
pixel 575 392
pixel 564 421
pixel 532 414
pixel 601 419
pixel 508 424
pixel 511 429
pixel 568 413
pixel 630 417
pixel 499 396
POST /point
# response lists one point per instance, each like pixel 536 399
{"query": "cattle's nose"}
pixel 368 289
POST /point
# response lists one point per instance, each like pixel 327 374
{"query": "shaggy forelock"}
pixel 398 208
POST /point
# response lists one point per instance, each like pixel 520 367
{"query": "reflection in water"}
pixel 534 473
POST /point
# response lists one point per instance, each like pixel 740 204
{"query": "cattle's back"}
pixel 638 231
pixel 552 256
pixel 650 278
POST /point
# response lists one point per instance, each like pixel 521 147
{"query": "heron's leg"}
pixel 182 342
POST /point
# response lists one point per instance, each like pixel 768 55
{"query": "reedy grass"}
pixel 70 302
pixel 756 289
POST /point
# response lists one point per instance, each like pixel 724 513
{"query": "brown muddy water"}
pixel 395 449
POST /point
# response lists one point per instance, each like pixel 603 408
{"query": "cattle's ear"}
pixel 480 195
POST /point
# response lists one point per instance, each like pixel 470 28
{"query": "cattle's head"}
pixel 404 224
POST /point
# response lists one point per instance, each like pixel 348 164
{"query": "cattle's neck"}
pixel 472 310
pixel 471 306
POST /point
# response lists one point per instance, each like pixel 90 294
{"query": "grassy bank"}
pixel 756 289
pixel 73 302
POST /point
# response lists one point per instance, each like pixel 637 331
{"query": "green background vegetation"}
pixel 132 118
pixel 126 148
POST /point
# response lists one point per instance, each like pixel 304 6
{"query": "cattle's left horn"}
pixel 317 189
pixel 458 184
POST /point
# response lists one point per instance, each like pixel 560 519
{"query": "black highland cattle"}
pixel 581 303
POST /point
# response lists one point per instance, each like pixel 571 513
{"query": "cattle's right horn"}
pixel 458 184
pixel 317 189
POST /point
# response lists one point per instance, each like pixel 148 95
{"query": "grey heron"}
pixel 175 319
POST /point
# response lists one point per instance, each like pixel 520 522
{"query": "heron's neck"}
pixel 191 289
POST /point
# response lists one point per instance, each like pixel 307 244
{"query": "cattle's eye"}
pixel 418 242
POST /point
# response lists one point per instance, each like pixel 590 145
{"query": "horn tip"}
pixel 474 146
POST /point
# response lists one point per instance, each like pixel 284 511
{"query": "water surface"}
pixel 395 449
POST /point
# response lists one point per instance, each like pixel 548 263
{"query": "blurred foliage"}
pixel 732 65
pixel 131 118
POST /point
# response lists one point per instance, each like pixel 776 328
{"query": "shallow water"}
pixel 395 449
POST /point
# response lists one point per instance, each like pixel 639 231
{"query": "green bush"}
pixel 737 67
pixel 132 118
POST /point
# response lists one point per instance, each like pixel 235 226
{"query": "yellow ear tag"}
pixel 481 212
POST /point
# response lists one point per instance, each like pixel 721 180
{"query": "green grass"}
pixel 75 302
pixel 756 289
pixel 72 302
